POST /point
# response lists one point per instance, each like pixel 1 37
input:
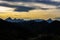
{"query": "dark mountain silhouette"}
pixel 29 30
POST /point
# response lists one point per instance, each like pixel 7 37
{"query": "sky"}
pixel 56 0
pixel 35 9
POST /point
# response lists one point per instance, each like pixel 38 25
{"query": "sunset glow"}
pixel 33 14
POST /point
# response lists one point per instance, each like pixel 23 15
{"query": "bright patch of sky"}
pixel 56 0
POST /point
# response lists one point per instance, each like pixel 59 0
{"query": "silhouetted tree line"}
pixel 29 30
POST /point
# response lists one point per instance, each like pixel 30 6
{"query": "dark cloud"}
pixel 7 5
pixel 18 8
pixel 19 0
pixel 24 8
pixel 50 2
pixel 39 1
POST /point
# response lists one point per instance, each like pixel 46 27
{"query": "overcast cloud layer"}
pixel 26 5
pixel 35 9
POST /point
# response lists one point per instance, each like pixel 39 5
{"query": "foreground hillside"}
pixel 29 30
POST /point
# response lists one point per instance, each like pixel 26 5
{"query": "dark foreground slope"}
pixel 29 30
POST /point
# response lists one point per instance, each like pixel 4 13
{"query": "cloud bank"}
pixel 27 5
pixel 35 9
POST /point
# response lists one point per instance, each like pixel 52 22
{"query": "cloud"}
pixel 5 9
pixel 56 0
pixel 43 9
pixel 23 5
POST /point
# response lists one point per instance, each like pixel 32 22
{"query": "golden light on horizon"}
pixel 33 14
